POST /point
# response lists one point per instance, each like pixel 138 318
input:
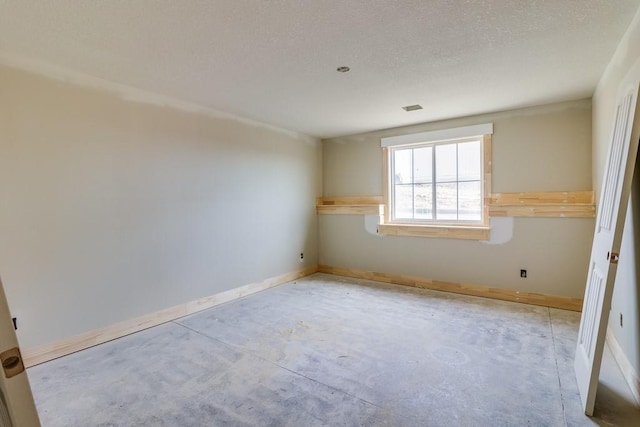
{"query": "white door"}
pixel 612 208
pixel 16 401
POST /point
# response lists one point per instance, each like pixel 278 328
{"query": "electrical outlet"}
pixel 523 274
pixel 621 320
pixel 301 256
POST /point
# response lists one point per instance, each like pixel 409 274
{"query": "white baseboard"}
pixel 46 352
pixel 628 372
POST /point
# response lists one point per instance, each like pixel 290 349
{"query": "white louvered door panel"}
pixel 612 208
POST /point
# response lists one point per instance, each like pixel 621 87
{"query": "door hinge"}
pixel 613 257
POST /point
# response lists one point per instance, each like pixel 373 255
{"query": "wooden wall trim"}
pixel 566 303
pixel 487 170
pixel 550 204
pixel 541 198
pixel 40 354
pixel 350 209
pixel 628 372
pixel 543 211
pixel 350 200
pixel 350 205
pixel 386 183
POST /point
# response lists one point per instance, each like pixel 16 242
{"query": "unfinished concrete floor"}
pixel 332 351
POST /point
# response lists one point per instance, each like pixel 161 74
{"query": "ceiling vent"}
pixel 413 107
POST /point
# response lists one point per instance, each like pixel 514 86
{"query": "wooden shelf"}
pixel 350 205
pixel 552 204
pixel 543 211
pixel 541 198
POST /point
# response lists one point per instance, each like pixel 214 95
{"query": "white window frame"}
pixel 477 230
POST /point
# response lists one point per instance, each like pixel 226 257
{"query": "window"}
pixel 438 179
pixel 437 182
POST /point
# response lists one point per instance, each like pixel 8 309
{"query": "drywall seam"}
pixel 132 94
pixel 46 352
pixel 630 375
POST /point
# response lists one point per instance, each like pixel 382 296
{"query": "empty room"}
pixel 319 213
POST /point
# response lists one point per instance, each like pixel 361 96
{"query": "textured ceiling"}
pixel 275 61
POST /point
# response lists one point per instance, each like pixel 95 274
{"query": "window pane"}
pixel 439 182
pixel 446 201
pixel 422 165
pixel 446 163
pixel 402 166
pixel 423 201
pixel 469 161
pixel 403 203
pixel 470 201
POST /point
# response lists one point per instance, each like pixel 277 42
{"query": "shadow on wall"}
pixel 635 215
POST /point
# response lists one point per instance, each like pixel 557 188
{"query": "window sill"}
pixel 466 232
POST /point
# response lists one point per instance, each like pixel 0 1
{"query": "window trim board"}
pixel 438 135
pixel 465 232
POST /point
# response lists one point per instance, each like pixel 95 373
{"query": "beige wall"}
pixel 113 209
pixel 544 148
pixel 626 295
